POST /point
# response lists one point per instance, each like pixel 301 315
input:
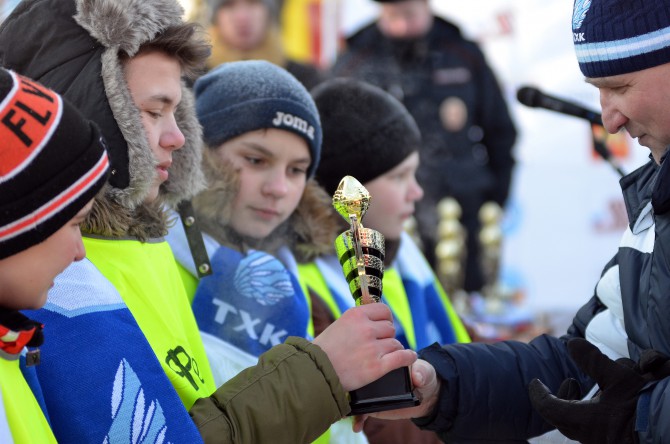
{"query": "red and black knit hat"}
pixel 52 162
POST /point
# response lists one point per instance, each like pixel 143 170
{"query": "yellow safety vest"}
pixel 190 282
pixel 147 277
pixel 24 414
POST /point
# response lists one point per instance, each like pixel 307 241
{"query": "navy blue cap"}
pixel 620 36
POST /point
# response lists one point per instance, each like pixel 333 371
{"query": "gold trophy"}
pixel 490 240
pixel 361 254
pixel 450 249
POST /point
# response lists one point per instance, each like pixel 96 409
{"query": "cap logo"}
pixel 28 116
pixel 578 16
pixel 295 122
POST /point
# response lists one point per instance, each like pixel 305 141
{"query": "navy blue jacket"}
pixel 484 394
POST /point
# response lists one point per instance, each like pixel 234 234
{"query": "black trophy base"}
pixel 390 392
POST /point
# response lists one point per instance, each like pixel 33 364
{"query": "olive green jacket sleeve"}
pixel 292 395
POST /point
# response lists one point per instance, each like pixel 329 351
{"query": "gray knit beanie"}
pixel 239 97
pixel 615 37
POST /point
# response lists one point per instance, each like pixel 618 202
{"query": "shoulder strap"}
pixel 194 237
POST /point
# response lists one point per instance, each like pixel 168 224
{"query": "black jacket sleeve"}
pixel 484 395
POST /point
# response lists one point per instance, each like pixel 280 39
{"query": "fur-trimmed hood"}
pixel 309 232
pixel 73 46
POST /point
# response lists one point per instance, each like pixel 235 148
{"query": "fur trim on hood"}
pixel 73 46
pixel 126 24
pixel 309 232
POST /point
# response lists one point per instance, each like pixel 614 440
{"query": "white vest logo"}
pixel 295 122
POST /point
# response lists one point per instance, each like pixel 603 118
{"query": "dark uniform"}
pixel 468 135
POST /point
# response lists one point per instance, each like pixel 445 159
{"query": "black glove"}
pixel 569 390
pixel 608 417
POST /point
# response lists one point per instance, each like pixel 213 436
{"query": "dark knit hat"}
pixel 366 131
pixel 52 162
pixel 238 97
pixel 620 36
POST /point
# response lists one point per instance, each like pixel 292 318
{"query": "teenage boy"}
pixel 52 164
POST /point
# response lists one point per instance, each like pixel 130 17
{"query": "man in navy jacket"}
pixel 607 379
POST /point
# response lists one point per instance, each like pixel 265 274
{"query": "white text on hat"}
pixel 294 122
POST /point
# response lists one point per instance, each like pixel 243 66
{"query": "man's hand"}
pixel 362 347
pixel 426 387
pixel 610 415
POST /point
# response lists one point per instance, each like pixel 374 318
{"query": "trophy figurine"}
pixel 361 253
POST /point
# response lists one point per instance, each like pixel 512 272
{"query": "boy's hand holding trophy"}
pixel 361 254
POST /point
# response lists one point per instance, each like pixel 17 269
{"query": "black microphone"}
pixel 535 98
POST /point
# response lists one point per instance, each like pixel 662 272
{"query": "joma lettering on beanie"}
pixel 52 162
pixel 238 97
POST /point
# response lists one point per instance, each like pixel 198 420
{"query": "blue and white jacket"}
pixel 251 302
pixel 100 377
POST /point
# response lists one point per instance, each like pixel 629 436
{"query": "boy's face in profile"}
pixel 272 166
pixel 154 81
pixel 393 196
pixel 27 276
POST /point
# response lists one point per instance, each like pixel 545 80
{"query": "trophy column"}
pixel 361 254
